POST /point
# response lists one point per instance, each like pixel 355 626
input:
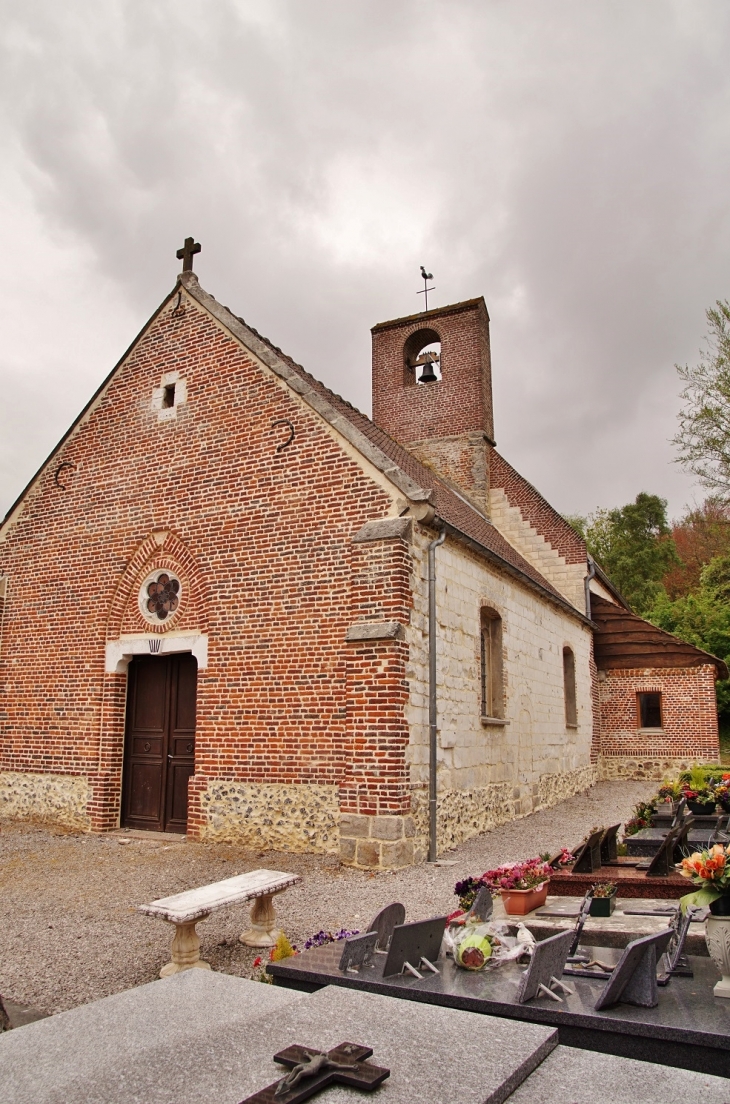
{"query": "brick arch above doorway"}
pixel 161 550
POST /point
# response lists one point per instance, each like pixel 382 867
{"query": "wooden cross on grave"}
pixel 313 1070
pixel 188 251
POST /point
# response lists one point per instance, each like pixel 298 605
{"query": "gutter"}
pixel 587 584
pixel 432 700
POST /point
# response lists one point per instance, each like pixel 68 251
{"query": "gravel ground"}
pixel 69 932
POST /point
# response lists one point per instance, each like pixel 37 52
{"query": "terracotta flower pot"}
pixel 518 902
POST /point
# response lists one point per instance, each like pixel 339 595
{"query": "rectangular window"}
pixel 649 709
pixel 571 708
pixel 492 698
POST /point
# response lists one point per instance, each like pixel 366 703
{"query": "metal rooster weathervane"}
pixel 425 289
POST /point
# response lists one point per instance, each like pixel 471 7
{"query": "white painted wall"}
pixel 536 742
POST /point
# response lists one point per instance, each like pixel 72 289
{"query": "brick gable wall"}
pixel 262 540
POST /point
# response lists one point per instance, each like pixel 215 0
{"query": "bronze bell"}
pixel 428 375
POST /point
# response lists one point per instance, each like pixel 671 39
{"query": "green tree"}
pixel 633 545
pixel 703 440
pixel 703 619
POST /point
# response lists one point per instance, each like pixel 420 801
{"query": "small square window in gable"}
pixel 169 396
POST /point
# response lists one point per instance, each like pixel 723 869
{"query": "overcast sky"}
pixel 570 161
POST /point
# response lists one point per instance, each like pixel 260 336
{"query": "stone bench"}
pixel 184 910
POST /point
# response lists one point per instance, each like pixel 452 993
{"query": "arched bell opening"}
pixel 422 357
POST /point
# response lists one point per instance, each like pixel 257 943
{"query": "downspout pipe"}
pixel 587 584
pixel 432 701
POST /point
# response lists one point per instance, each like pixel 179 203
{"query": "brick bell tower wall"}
pixel 447 424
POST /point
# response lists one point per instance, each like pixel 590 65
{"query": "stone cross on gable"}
pixel 188 251
pixel 312 1070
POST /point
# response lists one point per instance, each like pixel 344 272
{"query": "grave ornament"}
pixel 385 922
pixel 634 980
pixel 546 966
pixel 314 1070
pixel 358 951
pixel 415 946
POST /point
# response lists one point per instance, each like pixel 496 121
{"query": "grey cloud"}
pixel 568 161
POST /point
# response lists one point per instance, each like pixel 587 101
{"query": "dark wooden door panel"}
pixel 159 753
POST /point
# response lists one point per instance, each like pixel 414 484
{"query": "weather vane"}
pixel 425 290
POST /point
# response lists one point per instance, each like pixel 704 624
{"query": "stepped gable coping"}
pixel 625 641
pixel 419 483
pixel 537 511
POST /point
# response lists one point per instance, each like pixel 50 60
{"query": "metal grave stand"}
pixel 415 946
pixel 385 922
pixel 674 960
pixel 634 979
pixel 359 951
pixel 546 965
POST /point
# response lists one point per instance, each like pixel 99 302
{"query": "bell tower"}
pixel 432 391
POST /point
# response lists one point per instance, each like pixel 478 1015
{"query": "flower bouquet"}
pixel 710 870
pixel 522 886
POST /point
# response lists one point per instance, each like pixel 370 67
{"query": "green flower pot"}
pixel 603 906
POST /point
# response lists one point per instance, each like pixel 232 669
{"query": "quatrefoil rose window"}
pixel 159 597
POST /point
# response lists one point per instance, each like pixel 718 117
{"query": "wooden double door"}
pixel 159 743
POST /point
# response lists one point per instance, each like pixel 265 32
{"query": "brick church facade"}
pixel 214 607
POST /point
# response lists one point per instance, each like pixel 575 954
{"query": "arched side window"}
pixel 571 707
pixel 492 691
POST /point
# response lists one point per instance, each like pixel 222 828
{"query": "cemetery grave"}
pixel 205 1038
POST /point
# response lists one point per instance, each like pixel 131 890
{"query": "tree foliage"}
pixel 703 440
pixel 702 618
pixel 702 534
pixel 634 546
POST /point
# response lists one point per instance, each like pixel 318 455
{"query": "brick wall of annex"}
pixel 264 539
pixel 689 714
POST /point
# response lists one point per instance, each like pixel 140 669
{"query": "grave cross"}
pixel 313 1070
pixel 188 251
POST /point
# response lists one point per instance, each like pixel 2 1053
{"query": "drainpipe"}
pixel 432 708
pixel 587 584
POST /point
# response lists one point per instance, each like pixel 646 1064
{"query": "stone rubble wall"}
pixel 48 798
pixel 297 818
pixel 462 814
pixel 637 768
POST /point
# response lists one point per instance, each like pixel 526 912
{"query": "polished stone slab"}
pixel 205 1038
pixel 570 1076
pixel 560 913
pixel 690 1028
pixel 647 841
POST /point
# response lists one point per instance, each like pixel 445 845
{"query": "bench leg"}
pixel 185 951
pixel 263 931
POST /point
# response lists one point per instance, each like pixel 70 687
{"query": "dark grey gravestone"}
pixel 412 942
pixel 547 962
pixel 633 980
pixel 207 1038
pixel 483 906
pixel 358 951
pixel 385 921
